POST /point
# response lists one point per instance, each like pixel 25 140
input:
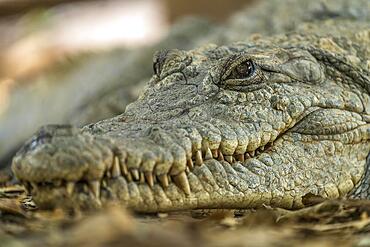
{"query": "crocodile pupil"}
pixel 244 69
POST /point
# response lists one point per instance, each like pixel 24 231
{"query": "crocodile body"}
pixel 265 121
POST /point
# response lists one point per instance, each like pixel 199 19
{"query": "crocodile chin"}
pixel 217 127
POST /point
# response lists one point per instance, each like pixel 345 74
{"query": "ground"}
pixel 324 223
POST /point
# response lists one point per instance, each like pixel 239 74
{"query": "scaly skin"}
pixel 234 126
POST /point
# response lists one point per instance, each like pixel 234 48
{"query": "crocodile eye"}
pixel 242 71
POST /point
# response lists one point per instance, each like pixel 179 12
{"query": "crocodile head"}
pixel 217 127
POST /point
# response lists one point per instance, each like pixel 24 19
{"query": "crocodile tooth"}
pixel 252 153
pixel 164 180
pixel 258 152
pixel 142 177
pixel 135 174
pixel 124 168
pixel 70 186
pixel 229 158
pixel 220 156
pixel 182 182
pixel 262 148
pixel 198 158
pixel 129 177
pixel 214 153
pixel 95 188
pixel 190 163
pixel 247 156
pixel 149 178
pixel 208 154
pixel 104 183
pixel 116 170
pixel 85 188
pixel 240 157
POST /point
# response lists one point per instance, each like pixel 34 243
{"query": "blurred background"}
pixel 43 31
pixel 70 61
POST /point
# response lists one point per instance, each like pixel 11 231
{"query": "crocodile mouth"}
pixel 118 169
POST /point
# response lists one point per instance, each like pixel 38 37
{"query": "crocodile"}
pixel 268 121
pixel 114 78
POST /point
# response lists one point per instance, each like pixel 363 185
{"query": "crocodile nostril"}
pixel 50 130
pixel 47 132
pixel 41 138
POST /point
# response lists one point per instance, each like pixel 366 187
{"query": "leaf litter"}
pixel 322 223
